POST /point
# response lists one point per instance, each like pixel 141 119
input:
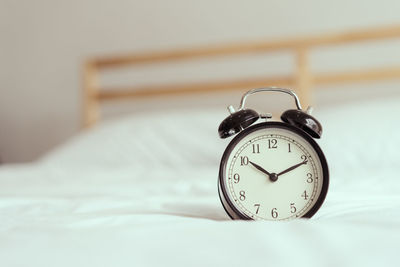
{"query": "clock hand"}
pixel 272 176
pixel 292 168
pixel 258 167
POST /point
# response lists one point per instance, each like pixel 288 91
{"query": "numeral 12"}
pixel 272 143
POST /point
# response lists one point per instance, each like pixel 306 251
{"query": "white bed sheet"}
pixel 142 191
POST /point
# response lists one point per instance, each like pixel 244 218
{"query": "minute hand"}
pixel 292 168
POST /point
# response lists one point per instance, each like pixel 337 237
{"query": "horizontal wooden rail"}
pixel 254 47
pixel 110 93
pixel 358 76
pixel 180 89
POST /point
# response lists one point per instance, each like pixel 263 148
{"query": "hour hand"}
pixel 258 167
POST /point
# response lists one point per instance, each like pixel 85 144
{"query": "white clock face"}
pixel 273 174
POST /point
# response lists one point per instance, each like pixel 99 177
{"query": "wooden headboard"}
pixel 303 80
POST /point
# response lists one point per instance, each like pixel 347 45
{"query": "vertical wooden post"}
pixel 303 78
pixel 91 109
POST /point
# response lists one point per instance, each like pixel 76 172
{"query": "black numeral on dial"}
pixel 309 178
pixel 272 143
pixel 256 148
pixel 242 195
pixel 274 213
pixel 292 208
pixel 244 161
pixel 236 178
pixel 257 206
pixel 304 195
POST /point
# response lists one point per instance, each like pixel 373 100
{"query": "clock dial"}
pixel 273 173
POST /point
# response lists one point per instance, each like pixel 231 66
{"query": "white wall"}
pixel 43 43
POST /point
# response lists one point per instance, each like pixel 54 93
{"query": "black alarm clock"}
pixel 272 170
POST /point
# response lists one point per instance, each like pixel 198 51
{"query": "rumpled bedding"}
pixel 142 191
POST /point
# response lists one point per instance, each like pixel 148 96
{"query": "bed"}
pixel 108 198
pixel 86 205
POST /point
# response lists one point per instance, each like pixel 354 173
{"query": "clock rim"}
pixel 228 205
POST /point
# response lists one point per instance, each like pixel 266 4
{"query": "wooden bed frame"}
pixel 303 80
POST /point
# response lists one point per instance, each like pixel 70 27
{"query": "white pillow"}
pixel 362 136
pixel 170 139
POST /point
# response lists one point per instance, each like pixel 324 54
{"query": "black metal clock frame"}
pixel 228 205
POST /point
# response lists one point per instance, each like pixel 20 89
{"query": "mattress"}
pixel 142 191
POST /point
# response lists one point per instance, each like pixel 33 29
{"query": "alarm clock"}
pixel 272 170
